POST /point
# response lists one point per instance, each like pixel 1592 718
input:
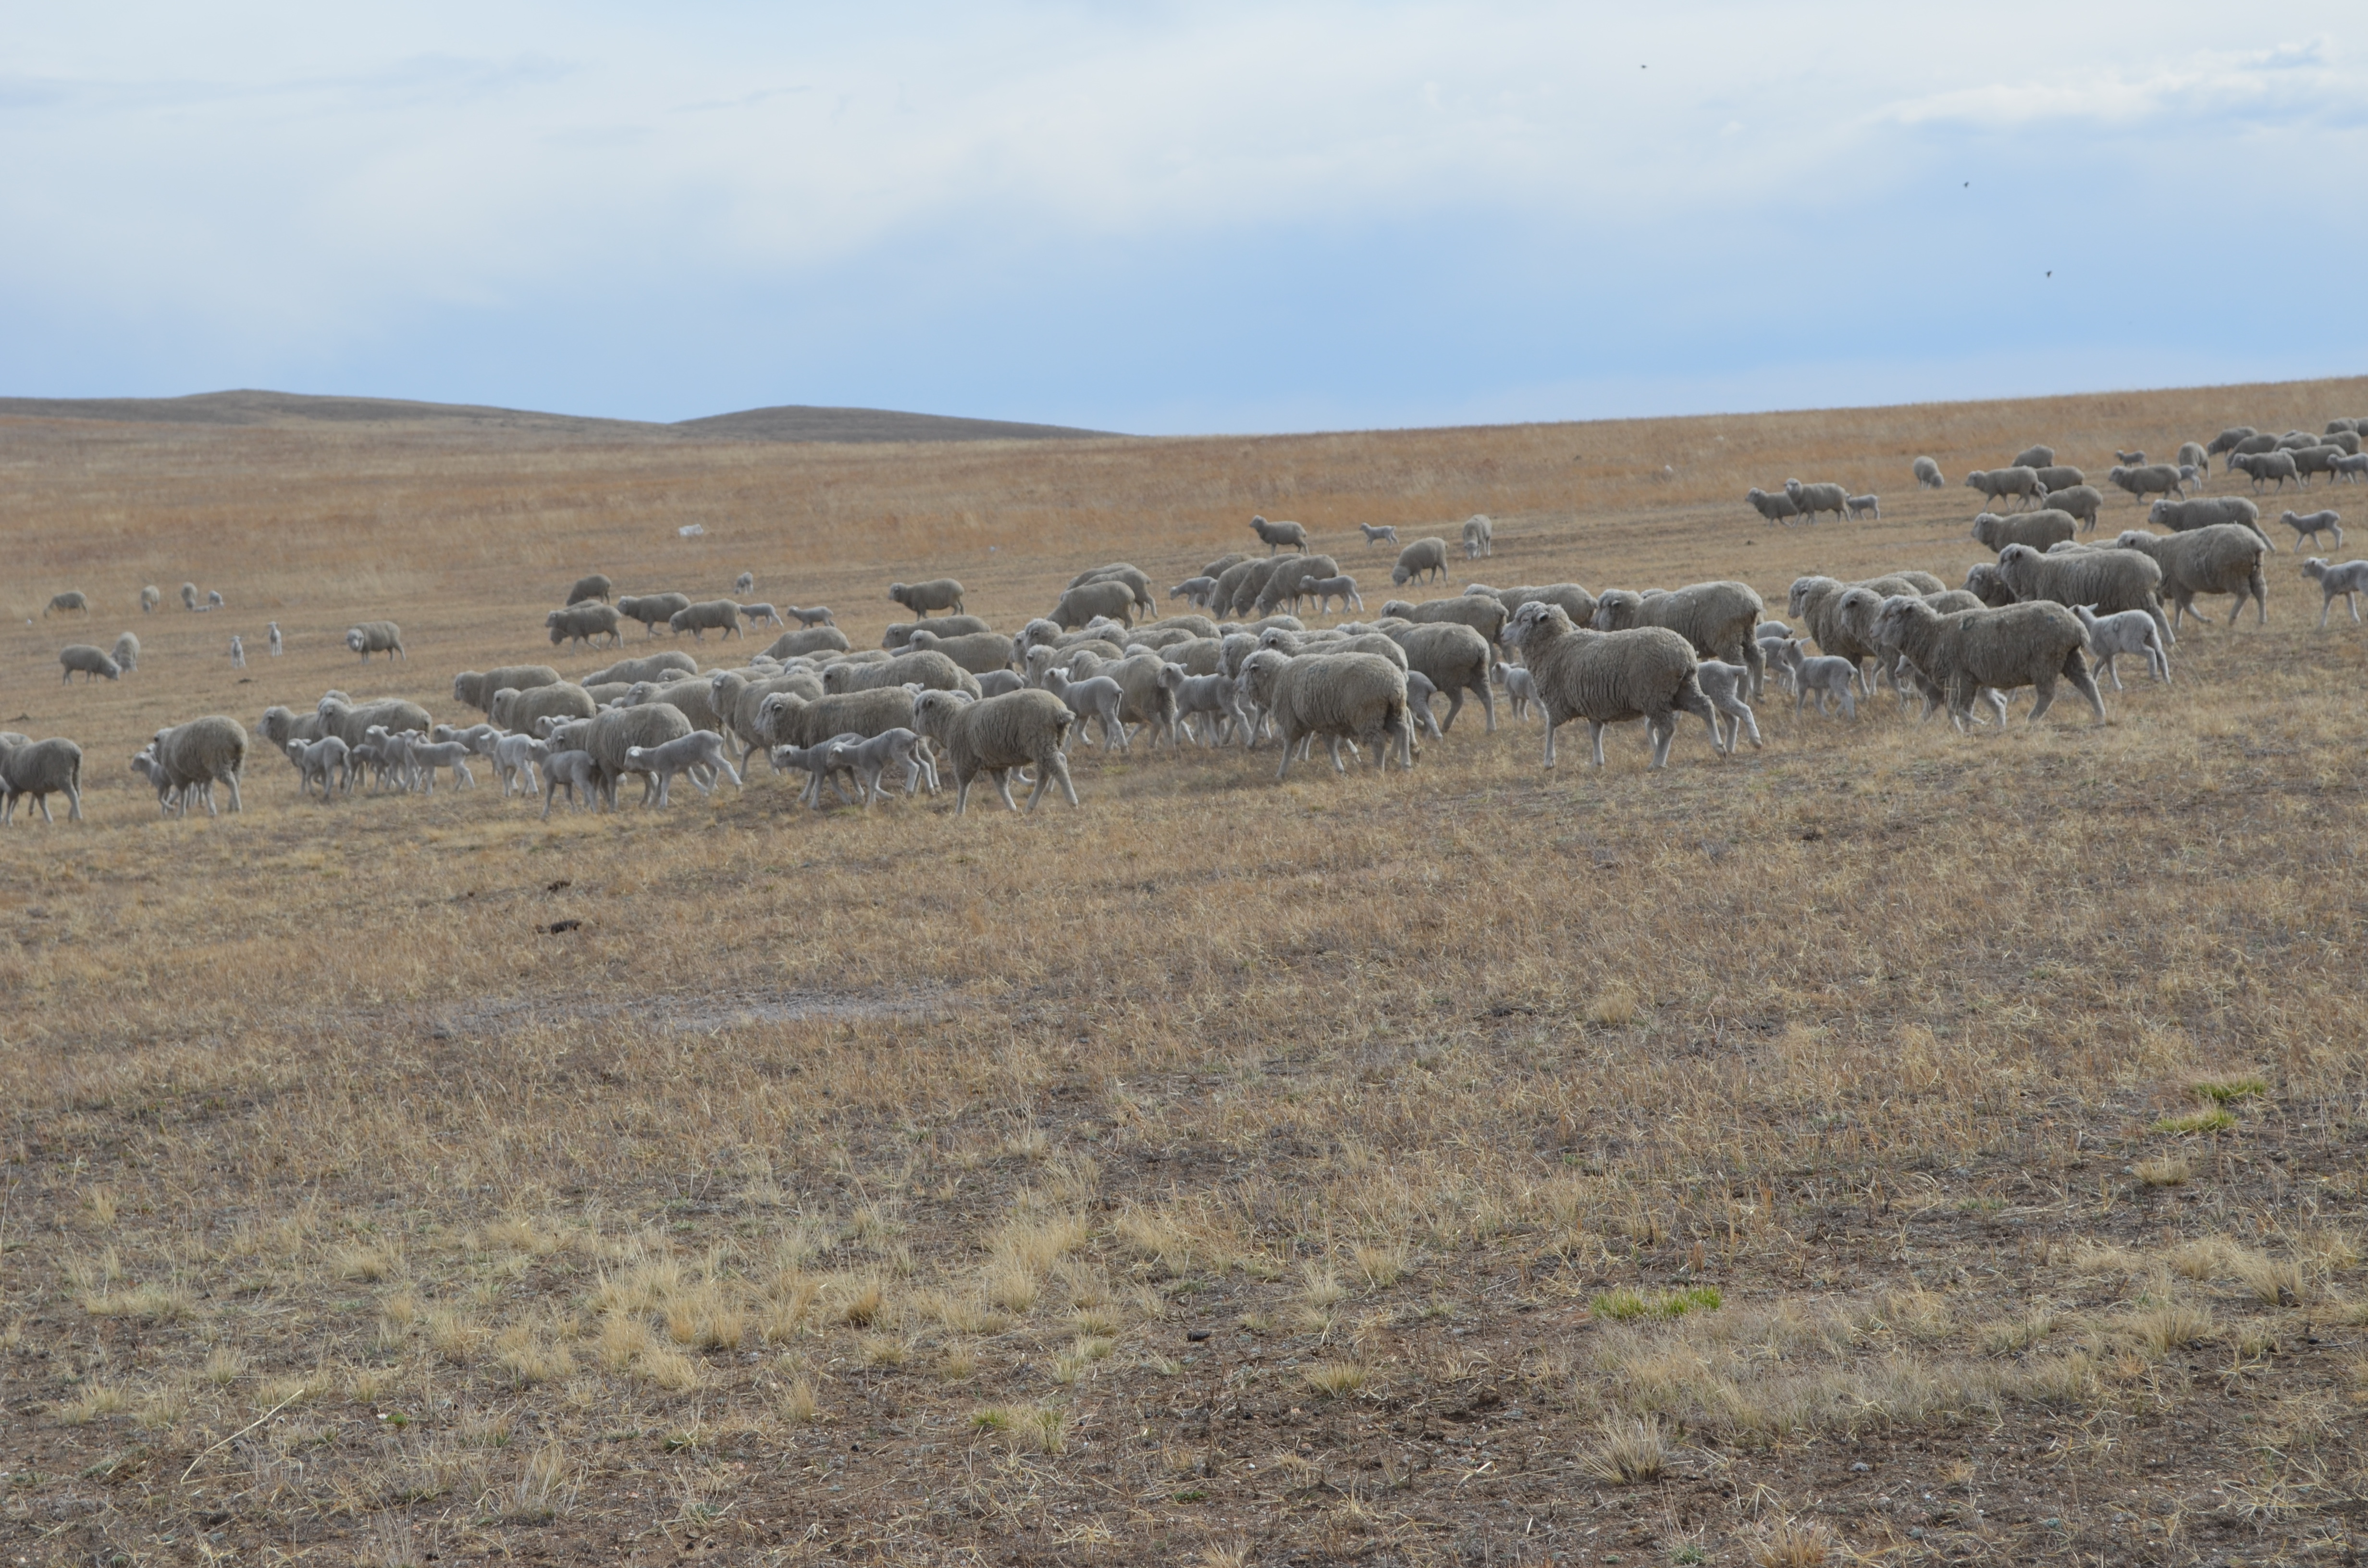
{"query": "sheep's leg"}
pixel 74 804
pixel 1660 731
pixel 1746 722
pixel 2106 665
pixel 2076 671
pixel 1595 733
pixel 1003 788
pixel 2044 689
pixel 1549 718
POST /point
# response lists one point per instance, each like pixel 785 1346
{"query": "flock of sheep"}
pixel 945 691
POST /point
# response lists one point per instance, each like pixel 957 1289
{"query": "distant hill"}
pixel 790 422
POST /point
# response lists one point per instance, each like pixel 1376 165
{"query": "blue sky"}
pixel 1178 218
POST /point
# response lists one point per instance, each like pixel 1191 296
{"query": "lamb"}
pixel 595 586
pixel 1214 694
pixel 274 639
pixel 745 583
pixel 188 596
pixel 2263 466
pixel 1196 589
pixel 1386 533
pixel 1479 537
pixel 1086 601
pixel 2025 644
pixel 1825 674
pixel 814 639
pixel 2191 455
pixel 2131 631
pixel 201 753
pixel 755 613
pixel 72 599
pixel 127 647
pixel 1998 483
pixel 1723 686
pixel 996 735
pixel 92 662
pixel 390 752
pixel 237 651
pixel 1865 506
pixel 426 756
pixel 1423 557
pixel 377 637
pixel 1419 692
pixel 651 609
pixel 2191 478
pixel 573 771
pixel 819 615
pixel 2041 457
pixel 870 758
pixel 1717 619
pixel 667 665
pixel 926 668
pixel 1286 585
pixel 977 652
pixel 2108 580
pixel 42 768
pixel 1327 589
pixel 817 762
pixel 1647 672
pixel 1099 698
pixel 1520 690
pixel 516 710
pixel 2350 580
pixel 1360 698
pixel 2306 526
pixel 477 690
pixel 2221 559
pixel 318 760
pixel 2202 512
pixel 687 754
pixel 1455 659
pixel 939 594
pixel 1812 499
pixel 2132 459
pixel 707 615
pixel 1775 508
pixel 213 599
pixel 150 597
pixel 1274 536
pixel 994 683
pixel 515 757
pixel 2351 470
pixel 2038 529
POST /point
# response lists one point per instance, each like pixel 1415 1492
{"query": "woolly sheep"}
pixel 1229 582
pixel 994 683
pixel 1099 698
pixel 1286 585
pixel 1607 677
pixel 1214 695
pixel 2038 529
pixel 237 651
pixel 376 637
pixel 1865 506
pixel 1137 581
pixel 2306 525
pixel 1825 675
pixel 1999 483
pixel 92 662
pixel 739 701
pixel 1859 608
pixel 1812 499
pixel 2025 644
pixel 426 756
pixel 1479 536
pixel 755 614
pixel 819 615
pixel 652 610
pixel 150 597
pixel 2081 501
pixel 2321 458
pixel 791 720
pixel 2131 631
pixel 1774 508
pixel 42 768
pixel 2036 457
pixel 2295 440
pixel 1255 575
pixel 1816 601
pixel 869 759
pixel 1717 619
pixel 280 726
pixel 995 736
pixel 686 754
pixel 939 594
pixel 72 599
pixel 2202 512
pixel 213 598
pixel 2221 559
pixel 618 730
pixel 1386 533
pixel 591 623
pixel 2132 459
pixel 2053 477
pixel 2265 466
pixel 977 652
pixel 320 761
pixel 520 709
pixel 1147 701
pixel 1196 589
pixel 1455 659
pixel 926 668
pixel 126 646
pixel 476 689
pixel 1360 698
pixel 706 616
pixel 1928 474
pixel 745 583
pixel 1274 536
pixel 2192 454
pixel 2108 580
pixel 669 666
pixel 1085 602
pixel 1575 601
pixel 201 753
pixel 2227 440
pixel 814 639
pixel 1486 616
pixel 188 596
pixel 2348 580
pixel 595 586
pixel 2249 447
pixel 573 771
pixel 343 719
pixel 2347 442
pixel 1423 558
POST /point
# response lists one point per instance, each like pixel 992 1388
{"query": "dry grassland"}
pixel 1888 1145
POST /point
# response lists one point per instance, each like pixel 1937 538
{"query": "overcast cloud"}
pixel 1177 218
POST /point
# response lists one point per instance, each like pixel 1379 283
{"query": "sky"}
pixel 1178 218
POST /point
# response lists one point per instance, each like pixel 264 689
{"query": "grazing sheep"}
pixel 2081 501
pixel 706 616
pixel 92 662
pixel 214 600
pixel 188 596
pixel 939 594
pixel 150 597
pixel 1286 585
pixel 2317 458
pixel 2306 525
pixel 755 613
pixel 900 633
pixel 1865 506
pixel 1255 575
pixel 1099 698
pixel 1423 558
pixel 1717 619
pixel 523 709
pixel 201 754
pixel 2192 454
pixel 42 768
pixel 2249 447
pixel 1825 675
pixel 2224 558
pixel 2295 440
pixel 1928 474
pixel 2038 529
pixel 1196 589
pixel 618 730
pixel 745 583
pixel 1812 499
pixel 1133 577
pixel 1575 601
pixel 652 610
pixel 126 646
pixel 687 754
pixel 814 639
pixel 1274 536
pixel 1479 536
pixel 669 666
pixel 516 759
pixel 591 623
pixel 2132 459
pixel 377 637
pixel 2227 439
pixel 1229 582
pixel 977 652
pixel 595 586
pixel 2024 644
pixel 2110 581
pixel 319 761
pixel 2053 477
pixel 352 725
pixel 931 670
pixel 1455 659
pixel 1386 533
pixel 869 759
pixel 1484 614
pixel 1419 693
pixel 1999 483
pixel 1774 508
pixel 1608 678
pixel 2348 580
pixel 2348 441
pixel 995 736
pixel 477 690
pixel 994 683
pixel 1327 589
pixel 2039 457
pixel 1723 686
pixel 1818 601
pixel 573 771
pixel 2203 511
pixel 1087 601
pixel 72 599
pixel 1359 698
pixel 2266 466
pixel 2132 632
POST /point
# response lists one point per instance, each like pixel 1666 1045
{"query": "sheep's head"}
pixel 1616 610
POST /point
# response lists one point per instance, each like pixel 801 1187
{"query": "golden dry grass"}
pixel 1342 1170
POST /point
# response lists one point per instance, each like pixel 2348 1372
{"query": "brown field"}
pixel 1888 1145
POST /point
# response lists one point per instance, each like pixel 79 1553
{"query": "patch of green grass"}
pixel 2228 1091
pixel 1620 1306
pixel 994 1418
pixel 1624 1305
pixel 2217 1119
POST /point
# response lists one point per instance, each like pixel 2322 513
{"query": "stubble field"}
pixel 1886 1145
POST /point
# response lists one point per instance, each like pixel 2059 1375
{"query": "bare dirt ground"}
pixel 1888 1144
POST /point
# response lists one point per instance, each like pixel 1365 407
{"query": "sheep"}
pixel 188 596
pixel 1385 533
pixel 2227 439
pixel 390 751
pixel 1196 589
pixel 1147 702
pixel 573 771
pixel 1327 589
pixel 686 754
pixel 1136 580
pixel 2039 457
pixel 706 616
pixel 939 594
pixel 669 666
pixel 1097 697
pixel 476 689
pixel 2221 559
pixel 1998 483
pixel 1083 602
pixel 1773 508
pixel 1812 499
pixel 2264 466
pixel 1479 537
pixel 995 736
pixel 591 623
pixel 1575 601
pixel 515 758
pixel 1717 619
pixel 2131 631
pixel 1286 585
pixel 127 647
pixel 92 662
pixel 2038 529
pixel 1859 609
pixel 595 586
pixel 925 667
pixel 819 615
pixel 2295 440
pixel 341 717
pixel 42 768
pixel 977 652
pixel 237 651
pixel 1723 686
pixel 745 583
pixel 2333 425
pixel 739 701
pixel 899 634
pixel 1419 693
pixel 2053 477
pixel 213 598
pixel 1360 697
pixel 1456 660
pixel 426 756
pixel 2185 514
pixel 2348 441
pixel 994 683
pixel 520 709
pixel 2251 446
pixel 2306 525
pixel 318 760
pixel 819 765
pixel 870 758
pixel 1520 690
pixel 72 599
pixel 377 637
pixel 2192 454
pixel 2110 580
pixel 2351 470
pixel 812 640
pixel 1865 506
pixel 791 720
pixel 1423 558
pixel 1255 575
pixel 2132 459
pixel 1214 693
pixel 280 726
pixel 755 613
pixel 2350 580
pixel 1828 675
pixel 2191 478
pixel 168 794
pixel 651 609
pixel 150 597
pixel 1274 536
pixel 2318 459
pixel 2024 644
pixel 693 697
pixel 1486 616
pixel 201 753
pixel 1817 600
pixel 274 639
pixel 2080 502
pixel 618 730
pixel 1928 474
pixel 1607 677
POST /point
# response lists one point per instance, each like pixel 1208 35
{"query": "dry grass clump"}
pixel 1630 1451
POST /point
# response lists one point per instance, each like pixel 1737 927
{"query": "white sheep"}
pixel 573 771
pixel 1928 474
pixel 1094 697
pixel 869 759
pixel 1214 695
pixel 1730 717
pixel 1828 676
pixel 1327 589
pixel 2310 525
pixel 2350 580
pixel 1520 690
pixel 426 756
pixel 699 752
pixel 516 759
pixel 274 639
pixel 745 583
pixel 2350 469
pixel 237 652
pixel 818 616
pixel 814 762
pixel 764 613
pixel 1864 507
pixel 2130 631
pixel 1479 536
pixel 1385 534
pixel 317 760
